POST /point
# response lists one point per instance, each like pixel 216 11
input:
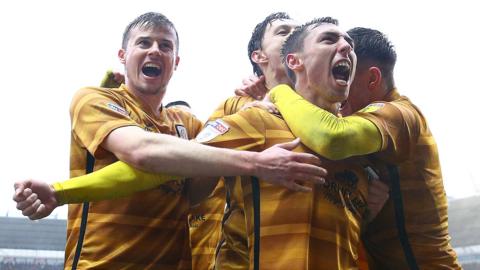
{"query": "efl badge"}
pixel 373 107
pixel 116 108
pixel 211 130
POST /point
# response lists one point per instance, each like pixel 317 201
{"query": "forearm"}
pixel 330 136
pixel 171 155
pixel 114 181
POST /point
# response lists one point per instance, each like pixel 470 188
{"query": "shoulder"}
pixel 92 96
pixel 189 121
pixel 96 92
pixel 238 100
pixel 85 91
pixel 258 117
pixel 181 114
pixel 382 110
pixel 230 106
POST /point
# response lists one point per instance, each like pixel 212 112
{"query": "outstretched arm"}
pixel 326 134
pixel 287 173
pixel 161 153
pixel 38 199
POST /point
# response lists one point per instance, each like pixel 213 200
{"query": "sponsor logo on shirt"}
pixel 116 108
pixel 342 192
pixel 212 130
pixel 195 220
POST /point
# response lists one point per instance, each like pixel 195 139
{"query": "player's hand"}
pixel 378 194
pixel 264 105
pixel 252 86
pixel 279 165
pixel 112 79
pixel 35 199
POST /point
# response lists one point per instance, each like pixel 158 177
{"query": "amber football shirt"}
pixel 286 229
pixel 147 230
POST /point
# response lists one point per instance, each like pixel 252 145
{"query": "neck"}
pixel 150 102
pixel 272 82
pixel 314 97
pixel 381 94
pixel 274 77
pixel 332 107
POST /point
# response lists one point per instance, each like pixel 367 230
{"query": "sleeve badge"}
pixel 212 130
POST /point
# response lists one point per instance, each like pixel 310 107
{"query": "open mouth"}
pixel 341 71
pixel 151 70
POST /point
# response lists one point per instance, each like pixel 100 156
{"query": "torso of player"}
pixel 205 219
pixel 298 230
pixel 421 200
pixel 147 230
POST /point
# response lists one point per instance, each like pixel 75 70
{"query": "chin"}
pixel 150 91
pixel 342 95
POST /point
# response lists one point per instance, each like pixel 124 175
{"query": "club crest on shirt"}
pixel 116 108
pixel 181 131
pixel 211 130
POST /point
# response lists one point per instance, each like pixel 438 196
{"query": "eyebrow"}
pixel 338 35
pixel 143 38
pixel 283 26
pixel 150 38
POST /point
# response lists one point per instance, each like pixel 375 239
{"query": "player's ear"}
pixel 294 62
pixel 259 57
pixel 121 56
pixel 375 77
pixel 177 61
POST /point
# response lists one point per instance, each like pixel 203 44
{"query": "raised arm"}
pixel 326 134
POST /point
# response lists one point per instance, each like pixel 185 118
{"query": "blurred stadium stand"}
pixel 28 245
pixel 464 227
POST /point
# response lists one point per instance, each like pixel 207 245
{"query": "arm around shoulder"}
pixel 326 134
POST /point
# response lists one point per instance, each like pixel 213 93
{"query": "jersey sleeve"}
pixel 244 130
pixel 113 181
pixel 326 134
pixel 94 114
pixel 399 126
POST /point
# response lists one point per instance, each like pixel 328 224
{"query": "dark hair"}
pixel 177 103
pixel 294 42
pixel 373 47
pixel 149 20
pixel 256 39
